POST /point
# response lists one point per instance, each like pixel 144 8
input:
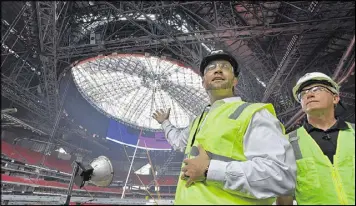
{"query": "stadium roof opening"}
pixel 130 87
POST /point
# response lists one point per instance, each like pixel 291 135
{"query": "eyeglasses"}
pixel 223 66
pixel 313 90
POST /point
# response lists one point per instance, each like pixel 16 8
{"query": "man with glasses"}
pixel 235 152
pixel 324 146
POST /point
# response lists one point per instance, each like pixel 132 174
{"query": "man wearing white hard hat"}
pixel 324 146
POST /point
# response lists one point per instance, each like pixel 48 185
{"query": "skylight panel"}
pixel 131 88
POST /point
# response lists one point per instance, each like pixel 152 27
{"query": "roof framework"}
pixel 129 88
pixel 274 42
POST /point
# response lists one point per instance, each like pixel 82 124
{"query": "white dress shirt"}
pixel 270 169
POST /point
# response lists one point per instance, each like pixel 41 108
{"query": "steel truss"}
pixel 291 57
pixel 49 18
pixel 207 36
pixel 244 38
pixel 16 93
pixel 273 41
pixel 298 55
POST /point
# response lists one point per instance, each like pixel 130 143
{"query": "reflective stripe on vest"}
pixel 293 139
pixel 195 152
pixel 239 110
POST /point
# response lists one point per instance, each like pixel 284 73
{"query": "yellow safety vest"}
pixel 221 136
pixel 319 181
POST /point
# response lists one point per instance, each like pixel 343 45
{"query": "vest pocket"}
pixel 307 175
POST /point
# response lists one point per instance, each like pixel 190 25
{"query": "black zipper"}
pixel 196 129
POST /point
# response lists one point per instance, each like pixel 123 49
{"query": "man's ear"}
pixel 336 99
pixel 234 81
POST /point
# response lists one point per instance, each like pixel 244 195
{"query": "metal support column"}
pixel 71 183
pixel 128 174
pixel 55 126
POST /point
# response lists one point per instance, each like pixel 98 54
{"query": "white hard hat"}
pixel 316 77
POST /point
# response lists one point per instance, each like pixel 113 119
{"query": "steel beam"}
pixel 191 38
pixel 16 93
pixel 187 59
pixel 274 83
pixel 187 52
pixel 23 124
pixel 344 58
pixel 13 24
pixel 155 5
pixel 291 49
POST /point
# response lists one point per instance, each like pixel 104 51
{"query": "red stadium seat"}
pixel 162 181
pixel 168 181
pixel 30 156
pixel 8 150
pixel 61 165
pixel 39 182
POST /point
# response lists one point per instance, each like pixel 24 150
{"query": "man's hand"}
pixel 195 168
pixel 160 115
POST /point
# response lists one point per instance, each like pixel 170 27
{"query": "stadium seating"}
pixel 61 165
pixel 162 181
pixel 10 151
pixel 25 155
pixel 30 156
pixel 52 184
pixel 168 181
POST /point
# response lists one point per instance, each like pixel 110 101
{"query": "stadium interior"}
pixel 81 79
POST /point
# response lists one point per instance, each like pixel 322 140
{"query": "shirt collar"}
pixel 339 125
pixel 231 99
pixel 222 101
